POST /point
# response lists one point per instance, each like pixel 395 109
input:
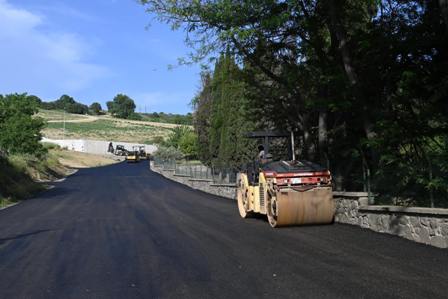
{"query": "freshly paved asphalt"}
pixel 123 231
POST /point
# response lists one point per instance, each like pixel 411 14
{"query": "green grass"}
pixel 19 173
pixel 4 202
pixel 54 115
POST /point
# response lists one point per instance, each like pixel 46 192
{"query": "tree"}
pixel 363 84
pixel 122 106
pixel 66 103
pixel 220 118
pixel 176 135
pixel 201 118
pixel 188 145
pixel 95 108
pixel 21 132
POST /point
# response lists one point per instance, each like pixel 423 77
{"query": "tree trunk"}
pixel 339 37
pixel 443 4
pixel 323 138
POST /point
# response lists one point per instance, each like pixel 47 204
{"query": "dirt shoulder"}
pixel 23 176
pixel 73 159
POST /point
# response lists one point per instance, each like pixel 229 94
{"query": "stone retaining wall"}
pixel 224 190
pixel 423 225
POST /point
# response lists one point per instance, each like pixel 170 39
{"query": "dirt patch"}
pixel 84 160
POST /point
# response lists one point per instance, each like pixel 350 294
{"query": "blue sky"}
pixel 93 50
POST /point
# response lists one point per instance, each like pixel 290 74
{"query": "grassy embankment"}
pixel 23 176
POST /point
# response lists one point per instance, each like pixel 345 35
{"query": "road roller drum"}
pixel 290 207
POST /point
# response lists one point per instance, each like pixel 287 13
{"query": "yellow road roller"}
pixel 134 155
pixel 289 192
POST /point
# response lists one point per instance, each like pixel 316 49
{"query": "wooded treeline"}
pixel 363 84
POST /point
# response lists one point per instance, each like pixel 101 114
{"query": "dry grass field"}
pixel 102 128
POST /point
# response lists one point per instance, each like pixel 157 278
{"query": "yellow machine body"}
pixel 132 157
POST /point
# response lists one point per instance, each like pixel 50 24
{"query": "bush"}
pixel 20 131
pixel 157 140
pixel 188 144
pixel 50 146
pixel 168 153
pixel 184 139
pixel 135 116
pixel 95 108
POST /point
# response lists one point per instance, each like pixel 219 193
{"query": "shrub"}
pixel 168 153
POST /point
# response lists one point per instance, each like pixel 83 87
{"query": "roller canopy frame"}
pixel 267 135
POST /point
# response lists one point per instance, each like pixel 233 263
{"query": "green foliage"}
pixel 95 108
pixel 175 136
pixel 15 183
pixel 183 139
pixel 220 118
pixel 122 106
pixel 188 145
pixel 135 116
pixel 156 140
pixel 363 84
pixel 170 118
pixel 19 172
pixel 66 103
pixel 168 153
pixel 50 146
pixel 20 130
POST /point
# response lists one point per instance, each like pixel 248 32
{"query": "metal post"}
pixel 292 146
pixel 63 136
pixel 369 193
pixel 266 145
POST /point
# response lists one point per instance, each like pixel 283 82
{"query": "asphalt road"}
pixel 123 231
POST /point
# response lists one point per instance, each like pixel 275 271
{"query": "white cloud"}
pixel 39 61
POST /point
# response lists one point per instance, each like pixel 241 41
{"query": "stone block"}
pixel 403 220
pixel 415 221
pixel 363 201
pixel 433 223
pixel 439 241
pixel 423 236
pixel 365 221
pixel 385 223
pixel 424 221
pixel 405 232
pixel 444 230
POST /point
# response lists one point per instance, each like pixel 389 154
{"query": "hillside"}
pixel 102 127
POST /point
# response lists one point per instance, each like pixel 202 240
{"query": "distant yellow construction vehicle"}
pixel 134 155
pixel 143 154
pixel 287 192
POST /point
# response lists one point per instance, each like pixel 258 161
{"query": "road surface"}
pixel 122 231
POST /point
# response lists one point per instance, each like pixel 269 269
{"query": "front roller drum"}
pixel 290 207
pixel 243 204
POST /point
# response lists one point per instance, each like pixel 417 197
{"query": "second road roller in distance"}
pixel 288 192
pixel 134 155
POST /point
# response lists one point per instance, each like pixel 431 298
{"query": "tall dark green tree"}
pixel 220 116
pixel 202 105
